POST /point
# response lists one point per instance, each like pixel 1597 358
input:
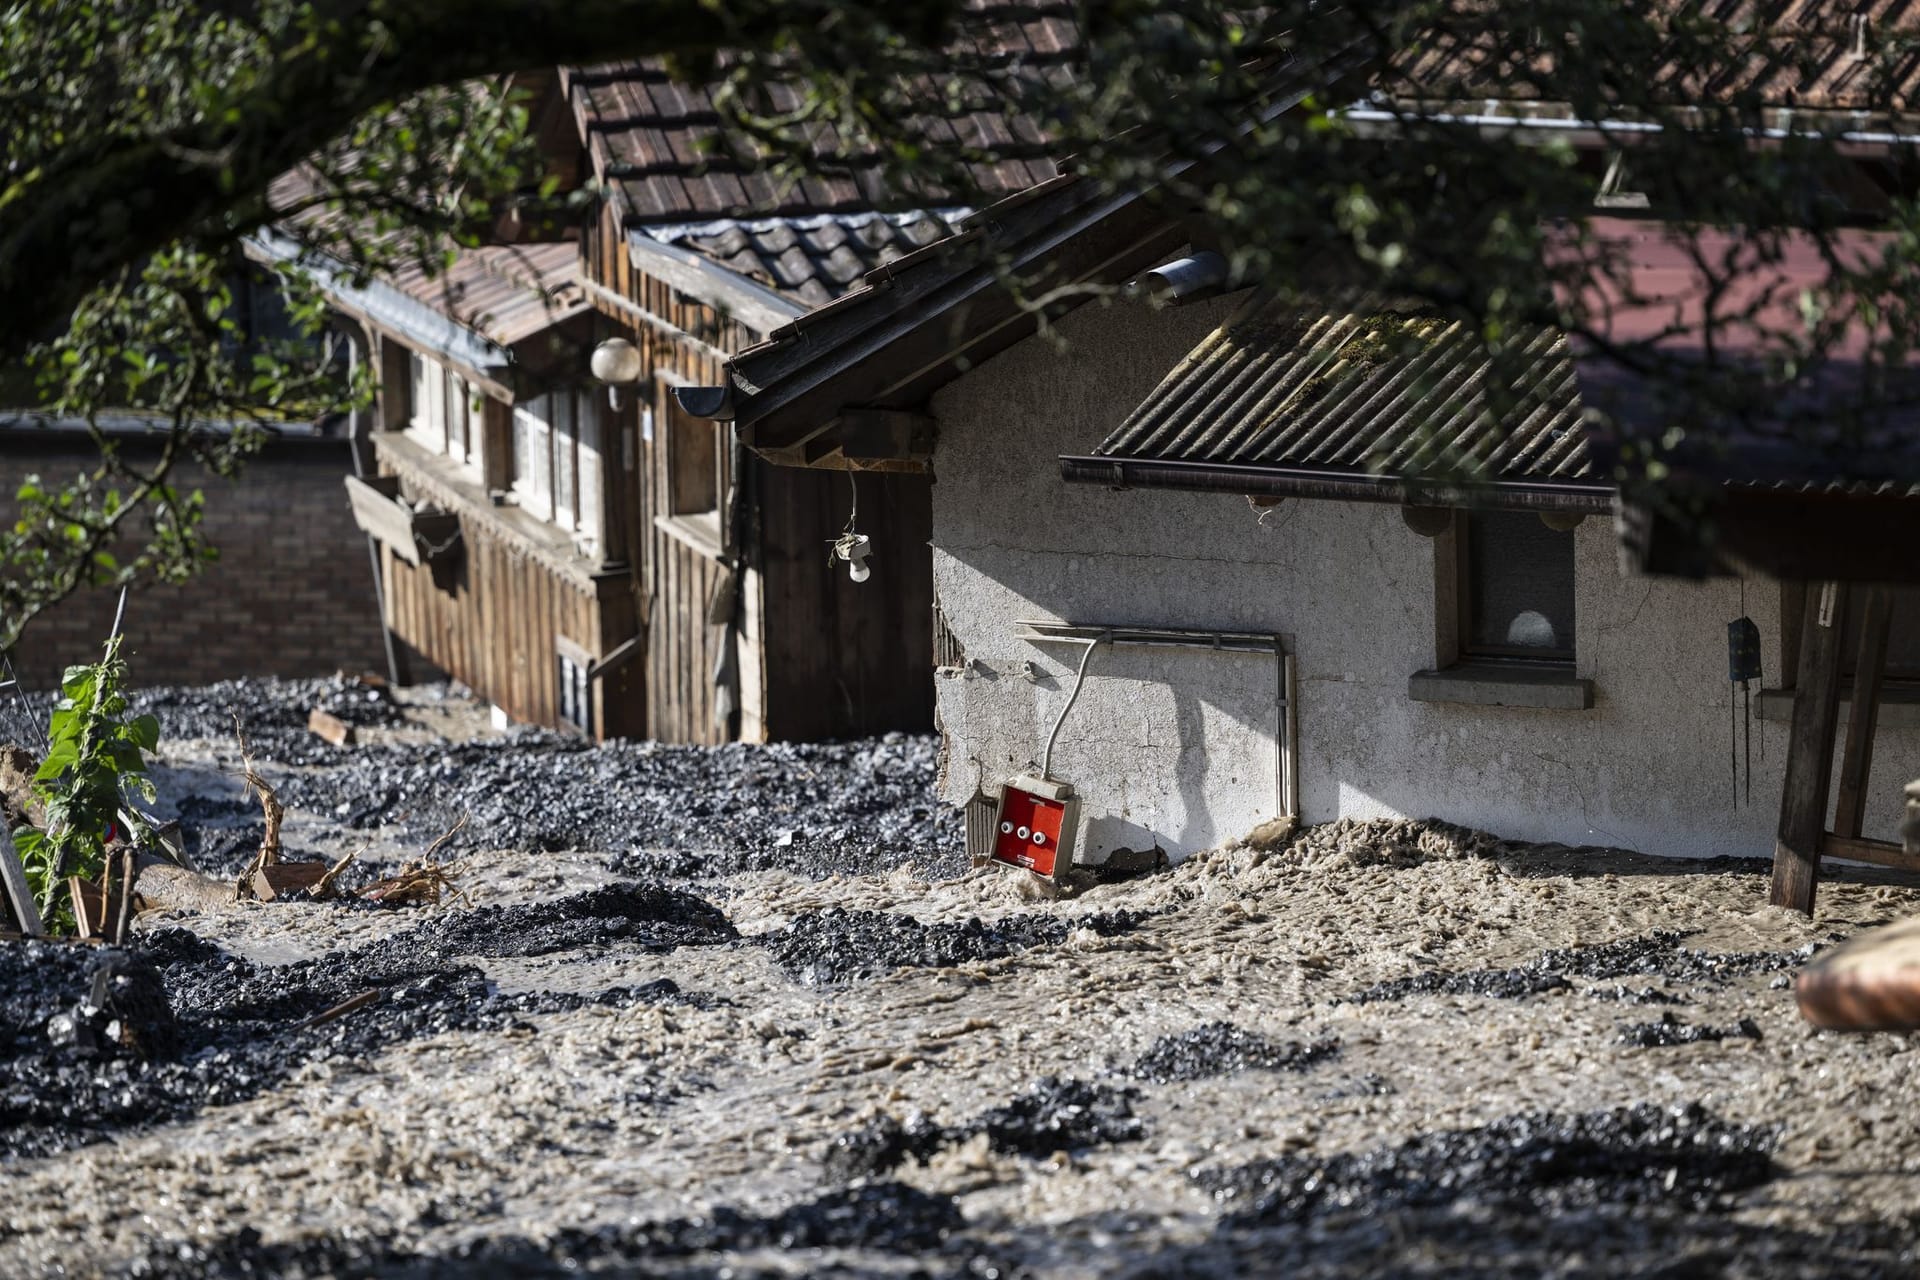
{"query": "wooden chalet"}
pixel 596 557
pixel 1597 712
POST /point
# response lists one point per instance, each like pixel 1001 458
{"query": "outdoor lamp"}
pixel 617 363
pixel 854 548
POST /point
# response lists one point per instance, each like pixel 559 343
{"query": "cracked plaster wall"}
pixel 1176 747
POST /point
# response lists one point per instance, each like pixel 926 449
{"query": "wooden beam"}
pixel 1816 708
pixel 1856 764
pixel 1881 853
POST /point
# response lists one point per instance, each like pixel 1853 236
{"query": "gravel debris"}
pixel 1220 1048
pixel 1053 1115
pixel 1658 953
pixel 1669 1031
pixel 836 945
pixel 1630 1155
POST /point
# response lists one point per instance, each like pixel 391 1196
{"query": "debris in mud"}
pixel 884 1217
pixel 660 810
pixel 276 712
pixel 1054 1114
pixel 1220 1048
pixel 1669 1031
pixel 1388 842
pixel 1369 1084
pixel 1658 953
pixel 1629 995
pixel 243 1028
pixel 1635 1155
pixel 839 945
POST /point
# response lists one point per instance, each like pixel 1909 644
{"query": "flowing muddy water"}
pixel 674 1039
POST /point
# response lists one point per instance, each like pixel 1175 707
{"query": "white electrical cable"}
pixel 1079 678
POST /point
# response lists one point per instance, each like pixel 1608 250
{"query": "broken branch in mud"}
pixel 361 1001
pixel 272 812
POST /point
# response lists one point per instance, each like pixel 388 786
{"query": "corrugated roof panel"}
pixel 1352 383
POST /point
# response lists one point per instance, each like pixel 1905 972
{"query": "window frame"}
pixel 1465 648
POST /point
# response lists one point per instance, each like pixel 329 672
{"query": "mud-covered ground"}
pixel 746 1012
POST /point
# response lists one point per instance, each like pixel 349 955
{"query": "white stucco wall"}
pixel 1176 747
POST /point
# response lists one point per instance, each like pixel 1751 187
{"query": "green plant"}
pixel 96 755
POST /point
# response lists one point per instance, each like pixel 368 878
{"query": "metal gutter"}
pixel 1351 486
pixel 387 308
pixel 1373 121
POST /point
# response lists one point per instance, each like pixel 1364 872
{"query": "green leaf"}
pixel 144 732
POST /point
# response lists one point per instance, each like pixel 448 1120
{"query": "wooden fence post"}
pixel 1816 708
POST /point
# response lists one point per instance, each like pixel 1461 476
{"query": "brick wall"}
pixel 291 593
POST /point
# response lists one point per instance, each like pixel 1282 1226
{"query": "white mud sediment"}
pixel 1384 1049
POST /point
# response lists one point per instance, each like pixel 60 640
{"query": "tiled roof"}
pixel 661 144
pixel 1811 54
pixel 812 260
pixel 1363 387
pixel 505 293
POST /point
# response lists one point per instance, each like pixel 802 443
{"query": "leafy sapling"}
pixel 95 764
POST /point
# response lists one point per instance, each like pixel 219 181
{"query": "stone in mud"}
pixel 1669 1031
pixel 1054 1114
pixel 1220 1048
pixel 1682 1156
pixel 838 945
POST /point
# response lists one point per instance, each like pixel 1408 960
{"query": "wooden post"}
pixel 1856 764
pixel 13 879
pixel 1816 708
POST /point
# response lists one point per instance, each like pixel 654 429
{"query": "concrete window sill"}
pixel 1899 705
pixel 1502 684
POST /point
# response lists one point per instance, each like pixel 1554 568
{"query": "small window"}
pixel 566 487
pixel 575 698
pixel 1516 580
pixel 533 456
pixel 462 419
pixel 427 403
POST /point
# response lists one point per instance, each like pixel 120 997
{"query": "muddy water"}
pixel 1387 1049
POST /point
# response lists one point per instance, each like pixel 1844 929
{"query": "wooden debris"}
pixel 330 727
pixel 325 888
pixel 18 895
pixel 284 879
pixel 345 1007
pixel 96 910
pixel 273 813
pixel 418 882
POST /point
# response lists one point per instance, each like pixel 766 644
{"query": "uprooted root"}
pixel 419 882
pixel 423 880
pixel 272 812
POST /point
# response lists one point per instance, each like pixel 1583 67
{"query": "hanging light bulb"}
pixel 617 363
pixel 854 548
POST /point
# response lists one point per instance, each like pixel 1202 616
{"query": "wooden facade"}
pixel 812 654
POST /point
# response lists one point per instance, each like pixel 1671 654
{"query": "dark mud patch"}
pixel 1220 1048
pixel 839 945
pixel 1054 1114
pixel 273 713
pixel 240 1029
pixel 1670 1031
pixel 1683 1157
pixel 1621 992
pixel 885 1217
pixel 1659 954
pixel 661 810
